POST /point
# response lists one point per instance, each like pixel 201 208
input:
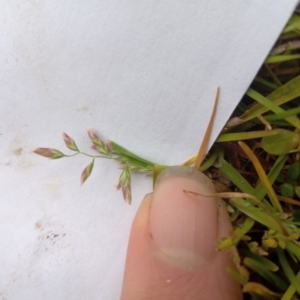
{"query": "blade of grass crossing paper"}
pixel 203 148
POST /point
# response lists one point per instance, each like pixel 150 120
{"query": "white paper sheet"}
pixel 144 74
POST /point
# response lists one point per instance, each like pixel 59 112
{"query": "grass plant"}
pixel 255 166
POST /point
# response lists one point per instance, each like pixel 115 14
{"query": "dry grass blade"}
pixel 203 148
pixel 262 175
pixel 288 200
pixel 259 289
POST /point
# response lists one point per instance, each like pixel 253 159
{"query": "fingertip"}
pixel 137 260
pixel 171 252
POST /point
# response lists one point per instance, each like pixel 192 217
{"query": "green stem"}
pixel 291 290
pixel 89 155
pixel 281 116
pixel 218 152
pixel 230 137
pixel 288 271
pixel 274 77
pixel 71 155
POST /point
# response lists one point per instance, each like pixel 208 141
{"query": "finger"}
pixel 172 248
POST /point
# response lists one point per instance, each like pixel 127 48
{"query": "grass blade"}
pixel 281 95
pixel 262 175
pixel 230 137
pixel 290 291
pixel 265 273
pixel 295 282
pixel 272 106
pixel 275 59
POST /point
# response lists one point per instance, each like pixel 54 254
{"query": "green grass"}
pixel 266 166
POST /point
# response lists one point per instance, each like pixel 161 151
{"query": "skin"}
pixel 172 247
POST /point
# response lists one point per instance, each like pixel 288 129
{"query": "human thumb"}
pixel 172 252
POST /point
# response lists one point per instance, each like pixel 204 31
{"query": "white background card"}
pixel 142 73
